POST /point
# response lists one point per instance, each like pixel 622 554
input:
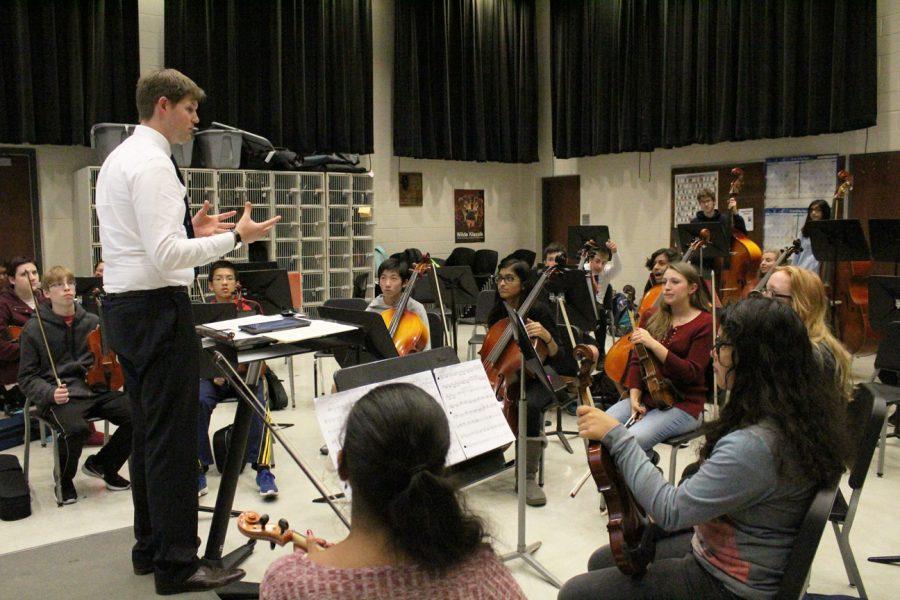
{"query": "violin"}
pixel 407 330
pixel 253 526
pixel 759 286
pixel 662 393
pixel 745 254
pixel 502 360
pixel 105 372
pixel 629 537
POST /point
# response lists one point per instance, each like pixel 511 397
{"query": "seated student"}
pixel 4 276
pixel 803 291
pixel 708 213
pixel 513 286
pixel 66 407
pixel 679 336
pixel 411 535
pixel 603 264
pixel 223 284
pixel 657 264
pixel 766 262
pixel 818 210
pixel 393 275
pixel 778 440
pixel 98 269
pixel 551 252
pixel 17 302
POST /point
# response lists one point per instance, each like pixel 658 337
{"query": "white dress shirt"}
pixel 140 208
pixel 602 280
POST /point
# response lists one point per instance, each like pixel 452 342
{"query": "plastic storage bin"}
pixel 220 149
pixel 182 153
pixel 106 136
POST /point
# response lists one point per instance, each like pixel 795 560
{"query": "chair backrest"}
pixel 483 305
pixel 360 285
pixel 866 416
pixel 461 257
pixel 888 356
pixel 485 262
pixel 524 254
pixel 435 329
pixel 800 559
pixel 350 303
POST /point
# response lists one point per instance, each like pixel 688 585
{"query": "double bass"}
pixel 851 287
pixel 745 254
pixel 407 330
pixel 502 359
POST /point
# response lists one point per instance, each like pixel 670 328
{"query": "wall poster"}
pixel 410 189
pixel 469 215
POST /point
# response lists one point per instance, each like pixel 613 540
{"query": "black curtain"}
pixel 465 80
pixel 296 72
pixel 634 75
pixel 65 65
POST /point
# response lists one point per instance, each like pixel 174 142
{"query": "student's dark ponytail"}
pixel 395 446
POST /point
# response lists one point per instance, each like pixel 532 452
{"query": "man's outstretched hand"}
pixel 206 224
pixel 249 229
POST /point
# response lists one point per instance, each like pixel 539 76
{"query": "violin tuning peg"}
pixel 283 524
pixel 272 545
pixel 263 519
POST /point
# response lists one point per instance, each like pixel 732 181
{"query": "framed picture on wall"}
pixel 410 189
pixel 468 208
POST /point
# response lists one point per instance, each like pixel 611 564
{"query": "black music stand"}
pixel 458 288
pixel 884 237
pixel 210 313
pixel 530 363
pixel 269 265
pixel 84 290
pixel 579 235
pixel 376 341
pixel 270 288
pixel 884 301
pixel 570 284
pixel 719 245
pixel 837 240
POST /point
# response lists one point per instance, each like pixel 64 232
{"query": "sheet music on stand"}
pixel 477 424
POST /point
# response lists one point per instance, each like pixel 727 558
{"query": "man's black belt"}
pixel 163 291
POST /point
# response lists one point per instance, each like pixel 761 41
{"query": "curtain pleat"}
pixel 634 75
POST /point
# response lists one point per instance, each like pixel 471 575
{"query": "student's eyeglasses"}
pixel 62 284
pixel 505 278
pixel 219 278
pixel 769 293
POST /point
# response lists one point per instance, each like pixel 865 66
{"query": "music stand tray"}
pixel 210 313
pixel 838 240
pixel 719 245
pixel 573 284
pixel 579 235
pixel 377 343
pixel 884 293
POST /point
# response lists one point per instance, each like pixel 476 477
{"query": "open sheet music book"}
pixel 477 424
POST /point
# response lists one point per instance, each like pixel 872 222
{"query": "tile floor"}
pixel 570 529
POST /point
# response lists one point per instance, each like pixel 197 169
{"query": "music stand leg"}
pixel 885 560
pixel 523 550
pixel 225 497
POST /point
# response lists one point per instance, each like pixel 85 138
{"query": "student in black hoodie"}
pixel 67 325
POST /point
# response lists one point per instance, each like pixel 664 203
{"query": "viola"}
pixel 407 330
pixel 745 254
pixel 851 293
pixel 502 360
pixel 662 394
pixel 757 286
pixel 105 372
pixel 253 526
pixel 629 538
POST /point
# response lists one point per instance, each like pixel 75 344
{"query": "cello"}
pixel 745 254
pixel 253 525
pixel 502 360
pixel 407 330
pixel 851 288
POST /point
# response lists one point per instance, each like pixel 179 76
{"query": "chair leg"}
pixel 290 366
pixel 315 378
pixel 849 561
pixel 882 442
pixel 27 440
pixel 673 462
pixel 57 468
pixel 105 431
pixel 43 431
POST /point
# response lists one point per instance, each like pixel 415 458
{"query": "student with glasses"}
pixel 778 440
pixel 513 286
pixel 803 290
pixel 67 407
pixel 679 336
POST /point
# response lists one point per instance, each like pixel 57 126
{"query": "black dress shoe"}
pixel 204 578
pixel 142 568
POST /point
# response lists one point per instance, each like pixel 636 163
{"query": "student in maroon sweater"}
pixel 679 335
pixel 16 308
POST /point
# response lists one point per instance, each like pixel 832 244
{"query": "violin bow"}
pixel 437 286
pixel 40 321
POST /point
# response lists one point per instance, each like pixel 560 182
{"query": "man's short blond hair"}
pixel 168 83
pixel 57 274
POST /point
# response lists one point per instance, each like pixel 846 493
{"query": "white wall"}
pixel 631 193
pixel 635 204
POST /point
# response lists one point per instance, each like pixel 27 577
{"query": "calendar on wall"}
pixel 685 191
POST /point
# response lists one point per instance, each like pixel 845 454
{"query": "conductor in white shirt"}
pixel 151 246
